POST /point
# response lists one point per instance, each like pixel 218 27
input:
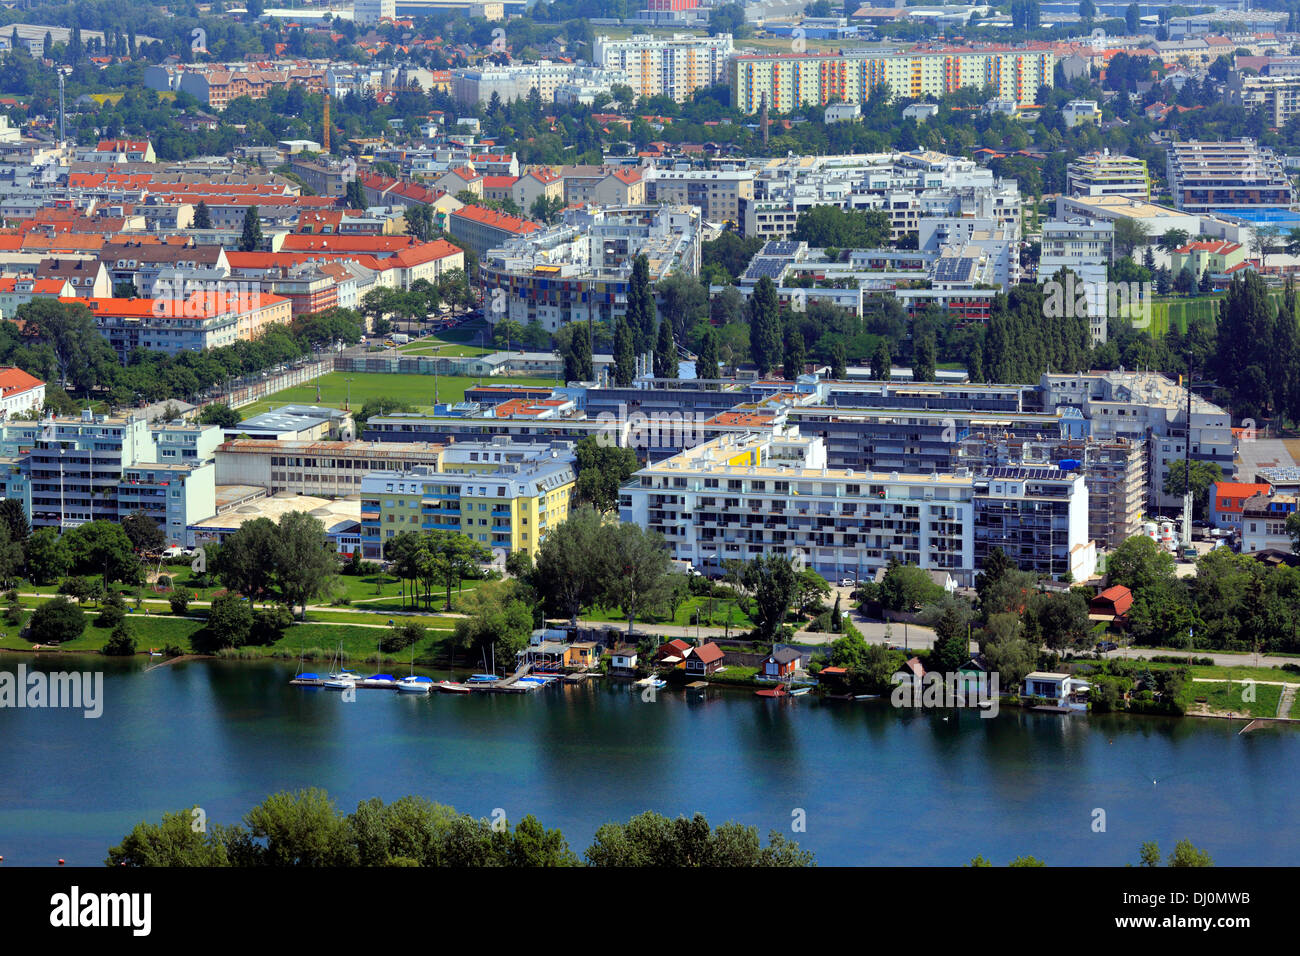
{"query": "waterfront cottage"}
pixel 1061 690
pixel 582 654
pixel 780 664
pixel 623 659
pixel 673 652
pixel 705 661
pixel 911 673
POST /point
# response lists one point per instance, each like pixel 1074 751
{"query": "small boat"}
pixel 154 652
pixel 482 679
pixel 341 681
pixel 415 685
pixel 380 680
pixel 451 687
pixel 778 691
pixel 866 697
pixel 800 691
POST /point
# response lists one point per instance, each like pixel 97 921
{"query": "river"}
pixel 872 785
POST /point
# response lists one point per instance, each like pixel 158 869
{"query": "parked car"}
pixel 847 582
pixel 1104 647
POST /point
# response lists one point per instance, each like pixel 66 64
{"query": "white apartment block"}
pixel 1084 247
pixel 367 13
pixel 717 192
pixel 1147 405
pixel 1108 174
pixel 673 66
pixel 516 82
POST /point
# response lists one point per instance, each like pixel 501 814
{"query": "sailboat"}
pixel 304 677
pixel 413 684
pixel 489 678
pixel 340 678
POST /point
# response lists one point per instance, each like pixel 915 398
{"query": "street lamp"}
pixel 347 405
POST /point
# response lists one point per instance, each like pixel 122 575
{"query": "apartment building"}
pixel 190 323
pixel 741 497
pixel 508 509
pixel 325 469
pixel 368 13
pixel 718 193
pixel 1277 95
pixel 76 465
pixel 482 229
pixel 20 392
pixel 580 269
pixel 1104 173
pixel 1146 406
pixel 1038 517
pixel 1232 174
pixel 673 66
pixel 515 82
pixel 1085 248
pixel 1263 522
pixel 786 81
pixel 175 494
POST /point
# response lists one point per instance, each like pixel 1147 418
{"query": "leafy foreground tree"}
pixel 304 828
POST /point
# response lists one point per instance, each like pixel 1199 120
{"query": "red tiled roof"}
pixel 15 380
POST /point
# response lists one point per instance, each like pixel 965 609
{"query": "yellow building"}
pixel 506 506
pixel 790 80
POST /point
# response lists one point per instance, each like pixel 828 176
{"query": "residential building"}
pixel 368 13
pixel 1225 175
pixel 509 509
pixel 1263 522
pixel 1227 501
pixel 20 393
pixel 515 82
pixel 194 322
pixel 176 495
pixel 1104 173
pixel 717 193
pixel 1216 256
pixel 1077 112
pixel 785 81
pixel 77 464
pixel 580 268
pixel 483 229
pixel 325 469
pixel 673 66
pixel 1085 248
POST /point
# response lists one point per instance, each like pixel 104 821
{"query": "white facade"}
pixel 674 66
pixel 370 12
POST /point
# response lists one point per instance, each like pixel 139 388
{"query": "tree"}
pixel 839 362
pixel 1129 234
pixel 246 562
pixel 401 636
pixel 180 602
pixel 602 469
pixel 202 216
pixel 951 635
pixel 121 643
pixel 230 621
pixel 880 362
pixel 305 564
pixel 923 363
pixel 103 547
pixel 794 357
pixel 14 520
pixel 497 621
pixel 1139 563
pixel 683 301
pixel 823 226
pixel 1058 620
pixel 46 557
pixel 449 557
pixel 624 354
pixel 1204 474
pixel 652 840
pixel 706 362
pixel 144 533
pixel 251 239
pixel 577 355
pixel 301 829
pixel 906 587
pixel 56 621
pixel 175 842
pixel 1187 855
pixel 1087 10
pixel 764 326
pixel 355 194
pixel 665 353
pixel 635 569
pixel 11 556
pixel 82 356
pixel 566 577
pixel 771 582
pixel 221 414
pixel 1132 18
pixel 641 305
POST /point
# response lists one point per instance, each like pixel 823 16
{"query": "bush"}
pixel 122 642
pixel 173 650
pixel 401 637
pixel 164 582
pixel 180 602
pixel 57 621
pixel 269 624
pixel 1170 659
pixel 110 617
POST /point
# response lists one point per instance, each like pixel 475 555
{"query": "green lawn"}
pixel 414 390
pixel 685 616
pixel 1223 698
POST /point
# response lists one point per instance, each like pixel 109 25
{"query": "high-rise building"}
pixel 367 13
pixel 673 66
pixel 786 81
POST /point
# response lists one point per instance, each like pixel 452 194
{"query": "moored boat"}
pixel 415 685
pixel 451 687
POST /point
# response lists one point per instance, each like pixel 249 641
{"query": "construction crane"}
pixel 325 136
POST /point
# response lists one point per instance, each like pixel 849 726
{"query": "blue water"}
pixel 876 786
